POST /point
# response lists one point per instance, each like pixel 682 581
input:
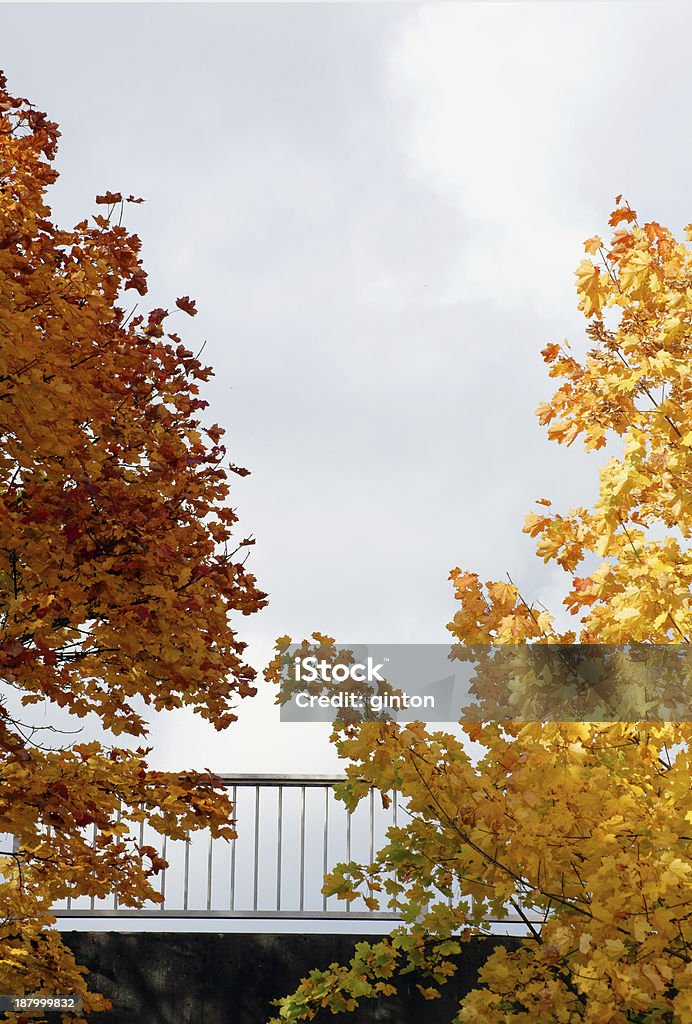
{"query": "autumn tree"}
pixel 582 828
pixel 120 583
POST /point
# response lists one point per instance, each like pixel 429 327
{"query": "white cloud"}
pixel 507 111
pixel 350 193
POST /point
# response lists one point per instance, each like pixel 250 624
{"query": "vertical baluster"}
pixel 257 825
pixel 164 847
pixel 118 816
pixel 233 845
pixel 141 833
pixel 326 840
pixel 302 847
pixel 278 845
pixel 93 843
pixel 186 879
pixel 209 870
pixel 348 848
pixel 69 903
pixel 372 830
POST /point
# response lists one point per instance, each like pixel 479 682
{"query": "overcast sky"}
pixel 378 209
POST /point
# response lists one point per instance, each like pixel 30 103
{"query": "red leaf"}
pixel 138 281
pixel 187 305
pixel 109 198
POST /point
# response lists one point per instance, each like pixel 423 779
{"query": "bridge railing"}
pixel 291 831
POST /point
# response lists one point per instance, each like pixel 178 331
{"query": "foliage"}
pixel 117 575
pixel 582 829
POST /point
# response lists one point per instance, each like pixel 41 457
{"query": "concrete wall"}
pixel 203 978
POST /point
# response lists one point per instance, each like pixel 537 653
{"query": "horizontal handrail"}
pixel 265 779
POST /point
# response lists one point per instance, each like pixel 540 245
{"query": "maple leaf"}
pixel 622 214
pixel 109 198
pixel 550 352
pixel 138 281
pixel 592 245
pixel 187 305
pixel 592 286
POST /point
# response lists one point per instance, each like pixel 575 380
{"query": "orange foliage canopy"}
pixel 119 580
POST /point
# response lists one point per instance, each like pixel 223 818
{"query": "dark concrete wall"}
pixel 203 978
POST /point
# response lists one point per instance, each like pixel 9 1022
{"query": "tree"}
pixel 582 828
pixel 119 580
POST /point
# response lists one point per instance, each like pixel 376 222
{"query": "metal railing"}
pixel 291 831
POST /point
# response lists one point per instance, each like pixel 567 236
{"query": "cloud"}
pixel 525 118
pixel 378 210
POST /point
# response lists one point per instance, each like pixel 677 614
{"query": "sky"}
pixel 378 209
